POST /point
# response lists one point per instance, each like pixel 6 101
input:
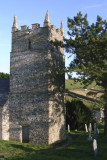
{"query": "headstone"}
pixel 101 114
pixel 90 129
pixel 96 130
pixel 86 129
pixel 95 147
pixel 68 128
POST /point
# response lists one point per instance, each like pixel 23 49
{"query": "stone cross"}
pixel 95 147
pixel 86 129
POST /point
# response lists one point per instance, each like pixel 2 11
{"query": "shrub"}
pixel 77 114
pixel 4 75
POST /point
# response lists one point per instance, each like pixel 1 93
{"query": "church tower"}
pixel 36 103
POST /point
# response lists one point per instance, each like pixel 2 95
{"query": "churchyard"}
pixel 80 148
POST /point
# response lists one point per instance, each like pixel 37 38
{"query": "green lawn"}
pixel 79 149
pixel 71 84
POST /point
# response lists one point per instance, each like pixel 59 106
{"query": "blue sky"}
pixel 33 11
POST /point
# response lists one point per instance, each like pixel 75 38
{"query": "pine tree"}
pixel 88 43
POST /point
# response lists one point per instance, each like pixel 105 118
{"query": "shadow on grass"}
pixel 62 154
pixel 25 149
pixel 79 149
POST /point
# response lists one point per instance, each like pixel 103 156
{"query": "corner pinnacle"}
pixel 15 24
pixel 62 28
pixel 47 20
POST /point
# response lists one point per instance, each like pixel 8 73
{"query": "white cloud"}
pixel 97 5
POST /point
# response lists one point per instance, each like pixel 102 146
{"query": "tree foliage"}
pixel 77 114
pixel 4 75
pixel 88 43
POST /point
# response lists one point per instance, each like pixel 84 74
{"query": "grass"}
pixel 71 84
pixel 83 148
pixel 10 150
pixel 76 91
pixel 80 148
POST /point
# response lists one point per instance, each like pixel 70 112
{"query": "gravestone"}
pixel 90 130
pixel 90 127
pixel 86 129
pixel 95 147
pixel 96 130
pixel 68 128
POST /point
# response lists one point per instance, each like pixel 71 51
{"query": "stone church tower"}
pixel 36 100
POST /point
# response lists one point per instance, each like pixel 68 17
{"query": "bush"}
pixel 4 75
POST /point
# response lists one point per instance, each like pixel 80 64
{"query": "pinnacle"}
pixel 15 24
pixel 62 27
pixel 47 20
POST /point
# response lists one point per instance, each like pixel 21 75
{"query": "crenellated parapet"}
pixel 36 27
pixel 24 28
pixel 37 37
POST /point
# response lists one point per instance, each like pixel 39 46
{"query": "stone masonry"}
pixel 35 111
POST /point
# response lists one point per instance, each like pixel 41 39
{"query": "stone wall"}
pixel 5 121
pixel 56 89
pixel 56 119
pixel 30 110
pixel 36 97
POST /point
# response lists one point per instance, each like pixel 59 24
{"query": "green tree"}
pixel 77 114
pixel 4 75
pixel 88 43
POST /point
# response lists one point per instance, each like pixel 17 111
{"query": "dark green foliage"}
pixel 4 75
pixel 88 43
pixel 77 114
